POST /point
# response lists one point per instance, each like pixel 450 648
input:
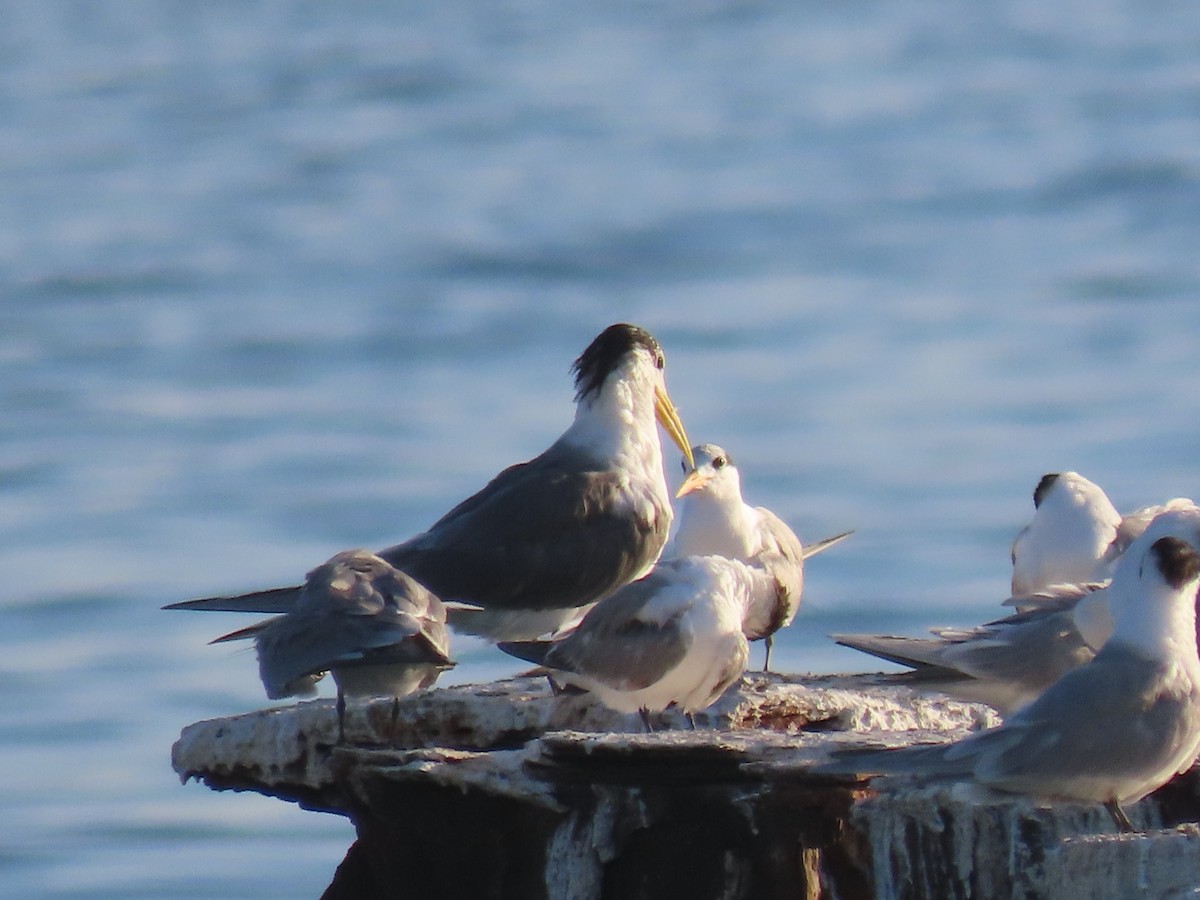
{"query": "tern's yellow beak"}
pixel 664 411
pixel 696 479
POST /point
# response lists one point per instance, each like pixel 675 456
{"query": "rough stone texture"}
pixel 506 790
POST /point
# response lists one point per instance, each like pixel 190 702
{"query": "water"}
pixel 280 279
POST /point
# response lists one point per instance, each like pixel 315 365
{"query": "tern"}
pixel 673 637
pixel 1070 538
pixel 1111 731
pixel 1006 663
pixel 713 519
pixel 378 631
pixel 547 538
pixel 1009 662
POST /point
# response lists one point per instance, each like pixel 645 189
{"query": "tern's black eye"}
pixel 660 361
pixel 720 462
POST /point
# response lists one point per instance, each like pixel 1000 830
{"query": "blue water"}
pixel 279 279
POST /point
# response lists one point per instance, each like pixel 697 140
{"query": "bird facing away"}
pixel 377 630
pixel 673 637
pixel 1009 662
pixel 713 519
pixel 1068 540
pixel 547 538
pixel 1111 731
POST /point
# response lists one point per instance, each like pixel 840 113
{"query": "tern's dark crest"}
pixel 605 353
pixel 1043 488
pixel 1176 560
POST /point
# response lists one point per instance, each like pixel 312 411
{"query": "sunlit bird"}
pixel 1070 538
pixel 1110 731
pixel 547 538
pixel 671 638
pixel 713 519
pixel 1010 661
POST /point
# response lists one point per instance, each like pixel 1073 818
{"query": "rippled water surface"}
pixel 280 279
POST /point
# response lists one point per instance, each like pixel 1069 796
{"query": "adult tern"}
pixel 1009 662
pixel 673 637
pixel 713 519
pixel 1070 538
pixel 1111 731
pixel 378 631
pixel 547 538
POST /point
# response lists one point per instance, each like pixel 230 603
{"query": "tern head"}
pixel 628 357
pixel 712 472
pixel 1177 561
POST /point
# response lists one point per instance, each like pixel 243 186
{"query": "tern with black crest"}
pixel 1112 730
pixel 547 538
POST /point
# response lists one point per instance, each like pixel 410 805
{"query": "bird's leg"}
pixel 1118 816
pixel 395 720
pixel 645 714
pixel 767 659
pixel 691 720
pixel 341 714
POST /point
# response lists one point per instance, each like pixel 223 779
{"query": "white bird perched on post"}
pixel 1111 731
pixel 1009 662
pixel 673 637
pixel 713 519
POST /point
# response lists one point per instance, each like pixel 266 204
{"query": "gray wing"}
pixel 1052 595
pixel 353 610
pixel 1103 721
pixel 275 600
pixel 824 544
pixel 1005 663
pixel 616 647
pixel 1111 718
pixel 541 535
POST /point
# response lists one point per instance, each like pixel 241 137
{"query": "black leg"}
pixel 767 659
pixel 645 714
pixel 1118 816
pixel 395 717
pixel 691 720
pixel 341 713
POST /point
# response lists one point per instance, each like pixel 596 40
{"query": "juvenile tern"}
pixel 673 637
pixel 379 632
pixel 547 538
pixel 713 519
pixel 1110 731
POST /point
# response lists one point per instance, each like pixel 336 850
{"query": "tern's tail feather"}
pixel 815 548
pixel 275 600
pixel 906 651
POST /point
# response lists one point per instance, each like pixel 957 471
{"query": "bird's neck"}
pixel 616 427
pixel 715 525
pixel 1158 625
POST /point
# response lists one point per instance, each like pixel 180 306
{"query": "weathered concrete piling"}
pixel 505 790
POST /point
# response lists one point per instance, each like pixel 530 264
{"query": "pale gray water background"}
pixel 281 279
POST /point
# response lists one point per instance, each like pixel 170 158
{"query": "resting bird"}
pixel 1010 661
pixel 1112 730
pixel 1070 537
pixel 713 519
pixel 547 538
pixel 673 637
pixel 377 630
